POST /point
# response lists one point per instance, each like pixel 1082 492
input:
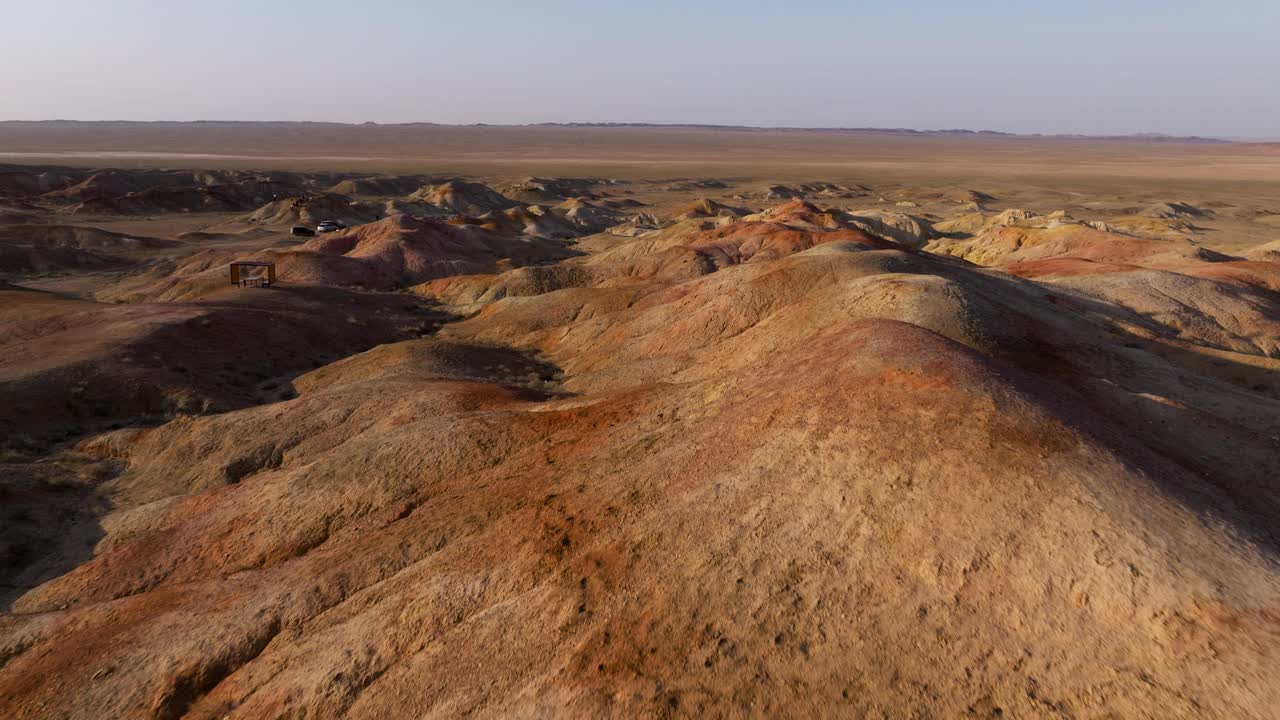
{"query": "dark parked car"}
pixel 303 231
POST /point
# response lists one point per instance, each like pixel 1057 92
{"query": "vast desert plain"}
pixel 590 421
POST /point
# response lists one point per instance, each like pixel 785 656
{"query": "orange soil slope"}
pixel 821 475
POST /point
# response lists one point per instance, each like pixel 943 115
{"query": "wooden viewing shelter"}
pixel 240 279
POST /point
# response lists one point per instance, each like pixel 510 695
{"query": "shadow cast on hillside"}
pixel 1205 429
pixel 50 513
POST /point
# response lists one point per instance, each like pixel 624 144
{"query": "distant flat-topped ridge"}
pixel 59 124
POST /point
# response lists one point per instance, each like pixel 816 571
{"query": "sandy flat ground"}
pixel 634 151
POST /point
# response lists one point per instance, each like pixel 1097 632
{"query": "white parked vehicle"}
pixel 330 226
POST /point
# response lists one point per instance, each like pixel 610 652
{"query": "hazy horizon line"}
pixel 1145 135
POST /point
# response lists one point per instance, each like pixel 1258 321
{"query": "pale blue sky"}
pixel 1210 68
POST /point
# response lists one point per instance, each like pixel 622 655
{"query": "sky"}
pixel 1123 66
